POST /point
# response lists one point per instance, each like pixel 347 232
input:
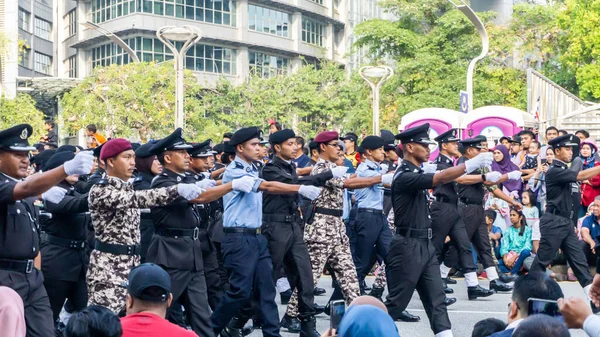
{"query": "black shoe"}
pixel 448 290
pixel 234 327
pixel 249 328
pixel 500 286
pixel 292 324
pixel 319 309
pixel 449 301
pixel 327 310
pixel 595 309
pixel 256 324
pixel 506 278
pixel 479 291
pixel 308 327
pixel 285 296
pixel 449 280
pixel 319 291
pixel 377 292
pixel 405 316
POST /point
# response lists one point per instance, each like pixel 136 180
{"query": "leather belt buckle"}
pixel 196 233
pixel 29 267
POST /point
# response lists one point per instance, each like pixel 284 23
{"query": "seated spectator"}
pixel 494 233
pixel 532 285
pixel 12 314
pixel 149 296
pixel 94 321
pixel 582 135
pixel 367 321
pixel 590 229
pixel 542 326
pixel 487 326
pixel 590 189
pixel 516 244
pixel 577 314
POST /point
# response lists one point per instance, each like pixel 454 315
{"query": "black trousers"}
pixel 477 232
pixel 38 315
pixel 557 232
pixel 189 289
pixel 445 221
pixel 590 256
pixel 373 238
pixel 288 252
pixel 212 275
pixel 146 233
pixel 59 291
pixel 413 264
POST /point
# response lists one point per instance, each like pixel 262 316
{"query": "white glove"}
pixel 339 171
pixel 206 183
pixel 189 191
pixel 493 176
pixel 206 175
pixel 243 184
pixel 81 164
pixel 309 192
pixel 384 168
pixel 482 160
pixel 387 179
pixel 514 175
pixel 429 167
pixel 54 195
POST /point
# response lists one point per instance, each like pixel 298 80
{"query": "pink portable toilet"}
pixel 495 122
pixel 440 120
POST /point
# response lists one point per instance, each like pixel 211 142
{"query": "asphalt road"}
pixel 463 314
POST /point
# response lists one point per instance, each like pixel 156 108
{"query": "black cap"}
pixel 372 143
pixel 564 141
pixel 144 150
pixel 135 146
pixel 41 158
pixel 52 144
pixel 58 159
pixel 66 148
pixel 448 136
pixel 387 136
pixel 97 150
pixel 171 142
pixel 227 148
pixel 281 136
pixel 515 139
pixel 503 138
pixel 350 136
pixel 15 138
pixel 219 148
pixel 148 275
pixel 417 134
pixel 201 150
pixel 389 147
pixel 244 135
pixel 473 142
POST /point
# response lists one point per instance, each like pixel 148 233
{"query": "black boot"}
pixel 449 280
pixel 448 301
pixel 292 324
pixel 249 328
pixel 408 317
pixel 285 296
pixel 319 291
pixel 479 291
pixel 377 292
pixel 506 278
pixel 500 286
pixel 319 309
pixel 234 328
pixel 448 290
pixel 308 327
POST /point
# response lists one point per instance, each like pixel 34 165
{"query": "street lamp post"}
pixel 380 74
pixel 113 37
pixel 189 36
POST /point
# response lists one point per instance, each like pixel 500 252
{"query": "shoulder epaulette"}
pixel 239 165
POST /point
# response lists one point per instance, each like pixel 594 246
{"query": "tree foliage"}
pixel 19 110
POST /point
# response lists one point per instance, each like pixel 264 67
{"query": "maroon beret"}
pixel 113 147
pixel 326 136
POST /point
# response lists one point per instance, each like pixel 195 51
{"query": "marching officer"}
pixel 19 229
pixel 412 262
pixel 556 225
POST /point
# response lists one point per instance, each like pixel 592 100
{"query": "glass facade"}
pixel 312 32
pixel 266 20
pixel 204 58
pixel 71 23
pixel 42 28
pixel 42 63
pixel 266 66
pixel 24 20
pixel 71 65
pixel 221 12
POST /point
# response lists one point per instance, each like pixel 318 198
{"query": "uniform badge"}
pixel 178 179
pixel 24 134
pixel 248 169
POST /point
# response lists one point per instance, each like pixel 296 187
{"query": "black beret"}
pixel 41 158
pixel 244 135
pixel 219 148
pixel 173 141
pixel 448 136
pixel 144 150
pixel 66 148
pixel 97 150
pixel 228 148
pixel 53 144
pixel 135 146
pixel 372 143
pixel 227 135
pixel 15 138
pixel 58 159
pixel 281 136
pixel 387 136
pixel 417 134
pixel 564 140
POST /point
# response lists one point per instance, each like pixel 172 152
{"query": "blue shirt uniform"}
pixel 370 197
pixel 242 209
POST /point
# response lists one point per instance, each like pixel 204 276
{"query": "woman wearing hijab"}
pixel 589 188
pixel 12 314
pixel 503 164
pixel 367 321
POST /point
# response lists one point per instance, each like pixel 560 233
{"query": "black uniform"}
pixel 556 225
pixel 65 251
pixel 411 262
pixel 143 181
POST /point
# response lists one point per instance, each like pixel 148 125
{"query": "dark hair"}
pixel 532 197
pixel 227 158
pixel 50 122
pixel 535 285
pixel 541 326
pixel 92 128
pixel 585 133
pixel 305 151
pixel 300 140
pixel 562 131
pixel 523 220
pixel 161 158
pixel 539 145
pixel 155 292
pixel 490 213
pixel 527 132
pixel 487 326
pixel 94 321
pixel 551 128
pixel 227 135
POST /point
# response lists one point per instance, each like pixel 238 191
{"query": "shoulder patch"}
pixel 137 179
pixel 238 165
pixel 102 182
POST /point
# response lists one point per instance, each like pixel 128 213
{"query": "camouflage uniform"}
pixel 380 279
pixel 114 208
pixel 327 241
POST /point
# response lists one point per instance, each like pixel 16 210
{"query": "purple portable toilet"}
pixel 495 122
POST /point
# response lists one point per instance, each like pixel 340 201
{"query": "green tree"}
pixel 19 110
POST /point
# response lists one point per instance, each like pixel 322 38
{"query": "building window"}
pixel 42 28
pixel 204 58
pixel 312 32
pixel 221 12
pixel 71 23
pixel 24 20
pixel 320 2
pixel 24 58
pixel 42 63
pixel 268 20
pixel 71 66
pixel 266 66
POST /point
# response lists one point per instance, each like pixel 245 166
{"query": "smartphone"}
pixel 544 161
pixel 337 309
pixel 546 307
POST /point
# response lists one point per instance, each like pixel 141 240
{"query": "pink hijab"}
pixel 12 314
